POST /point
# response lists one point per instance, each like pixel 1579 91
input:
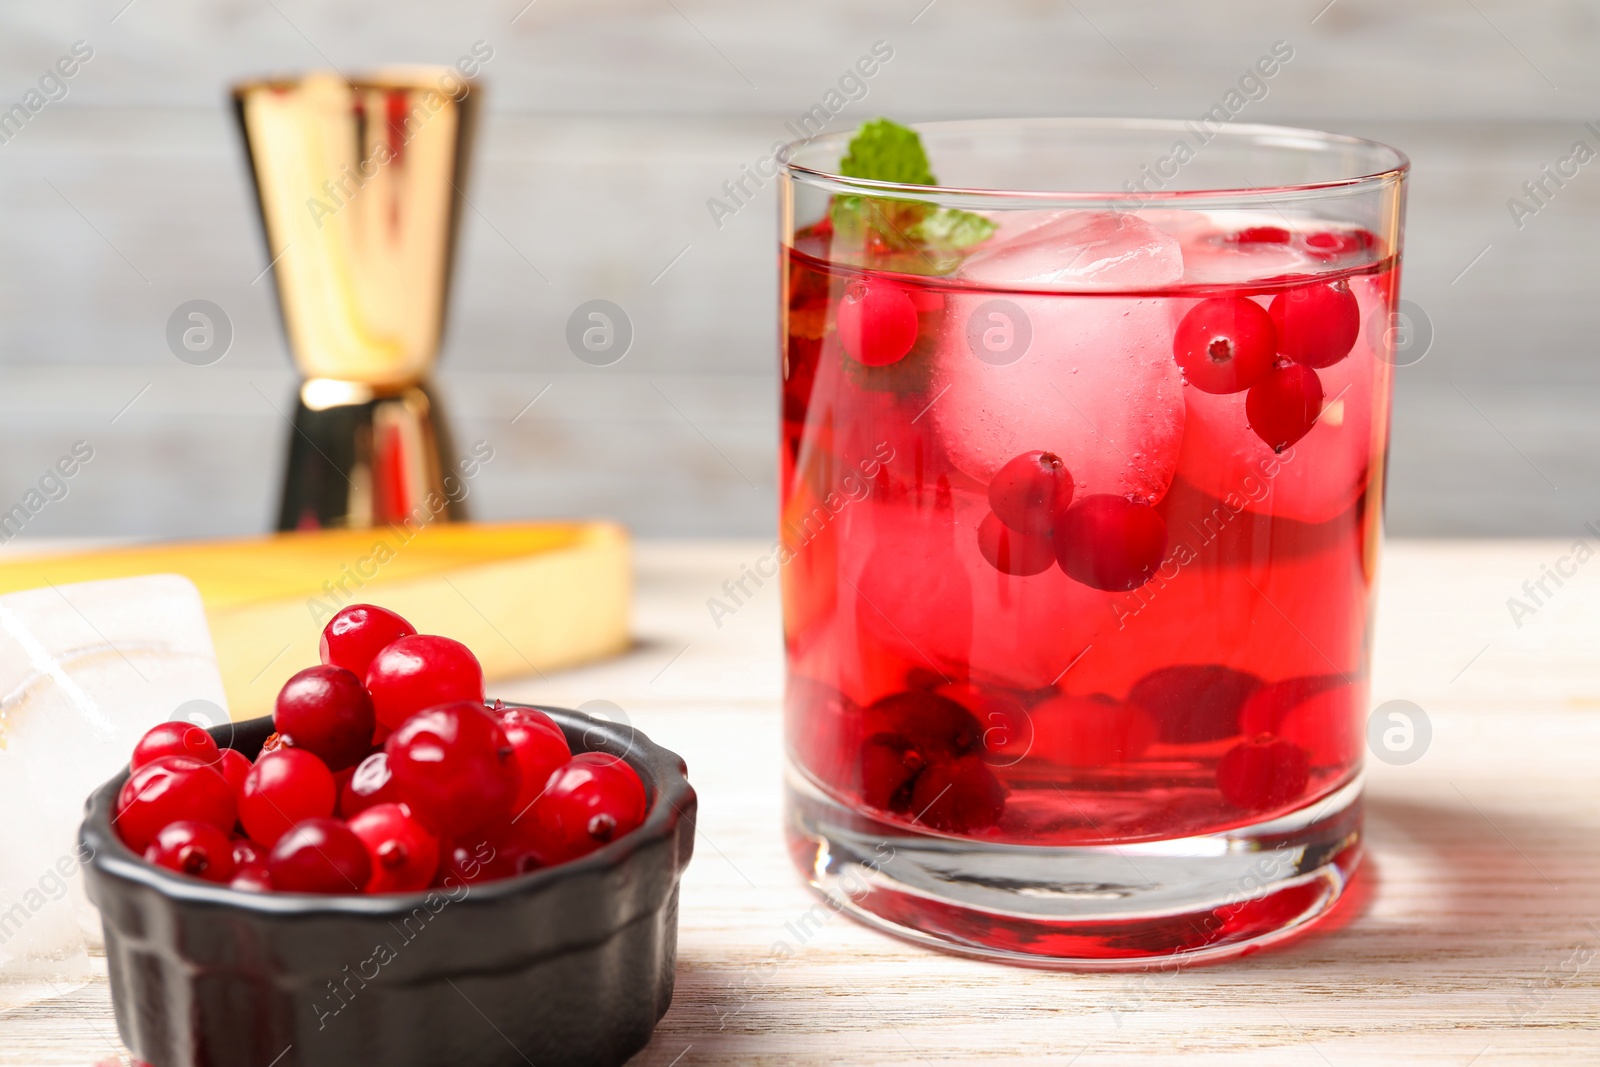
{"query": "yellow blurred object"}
pixel 525 597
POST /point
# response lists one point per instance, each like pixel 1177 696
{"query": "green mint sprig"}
pixel 909 235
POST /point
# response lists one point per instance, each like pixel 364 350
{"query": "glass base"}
pixel 1154 903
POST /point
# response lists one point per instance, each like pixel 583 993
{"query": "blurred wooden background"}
pixel 609 124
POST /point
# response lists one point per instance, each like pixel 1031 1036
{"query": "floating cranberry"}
pixel 1030 491
pixel 325 711
pixel 889 766
pixel 1267 706
pixel 937 727
pixel 958 796
pixel 370 784
pixel 1007 724
pixel 404 854
pixel 1316 324
pixel 319 856
pixel 1262 774
pixel 1194 702
pixel 877 322
pixel 283 788
pixel 1283 406
pixel 246 853
pixel 358 633
pixel 1259 235
pixel 254 878
pixel 174 739
pixel 235 767
pixel 540 747
pixel 1111 543
pixel 197 849
pixel 1225 344
pixel 419 672
pixel 454 767
pixel 170 788
pixel 1010 552
pixel 1329 245
pixel 592 800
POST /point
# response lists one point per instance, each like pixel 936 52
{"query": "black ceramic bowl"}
pixel 568 965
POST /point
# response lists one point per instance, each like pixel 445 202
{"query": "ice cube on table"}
pixel 85 670
pixel 1086 373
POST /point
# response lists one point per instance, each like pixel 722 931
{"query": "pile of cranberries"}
pixel 1231 344
pixel 1225 344
pixel 387 773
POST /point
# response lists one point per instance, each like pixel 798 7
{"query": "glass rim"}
pixel 1289 137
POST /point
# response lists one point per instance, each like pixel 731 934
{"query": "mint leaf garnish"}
pixel 884 151
pixel 908 235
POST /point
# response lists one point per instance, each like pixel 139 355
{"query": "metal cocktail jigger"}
pixel 359 183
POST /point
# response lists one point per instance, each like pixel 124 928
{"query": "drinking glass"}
pixel 1082 473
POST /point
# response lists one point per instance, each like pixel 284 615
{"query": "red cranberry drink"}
pixel 1081 501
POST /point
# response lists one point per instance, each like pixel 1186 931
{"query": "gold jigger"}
pixel 359 184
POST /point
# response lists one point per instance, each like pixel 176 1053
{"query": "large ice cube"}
pixel 1088 377
pixel 85 670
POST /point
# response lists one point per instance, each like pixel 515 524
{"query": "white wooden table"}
pixel 1475 939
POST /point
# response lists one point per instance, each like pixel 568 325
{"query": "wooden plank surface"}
pixel 1475 939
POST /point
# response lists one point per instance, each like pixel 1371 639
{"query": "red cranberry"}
pixel 358 633
pixel 958 796
pixel 1030 491
pixel 419 672
pixel 889 766
pixel 174 739
pixel 282 789
pixel 540 746
pixel 1194 702
pixel 1316 324
pixel 1262 774
pixel 197 849
pixel 877 322
pixel 246 853
pixel 1225 344
pixel 319 856
pixel 325 711
pixel 478 858
pixel 1091 731
pixel 235 767
pixel 1008 731
pixel 170 788
pixel 592 800
pixel 1259 235
pixel 254 878
pixel 1283 406
pixel 1111 543
pixel 1264 711
pixel 455 768
pixel 404 854
pixel 937 727
pixel 1010 552
pixel 1336 244
pixel 370 783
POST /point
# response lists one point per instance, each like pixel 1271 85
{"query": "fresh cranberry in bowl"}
pixel 404 854
pixel 197 849
pixel 283 788
pixel 540 747
pixel 591 801
pixel 326 711
pixel 359 632
pixel 319 856
pixel 369 784
pixel 419 672
pixel 174 739
pixel 455 767
pixel 170 788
